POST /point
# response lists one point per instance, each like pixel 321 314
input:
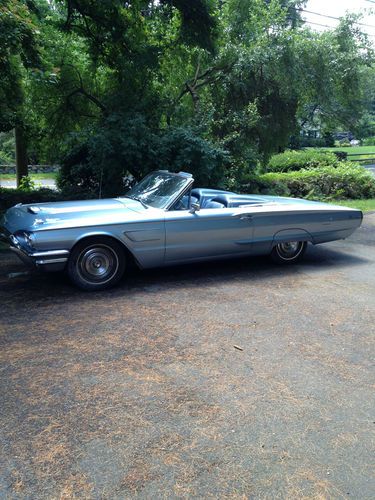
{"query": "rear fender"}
pixel 293 234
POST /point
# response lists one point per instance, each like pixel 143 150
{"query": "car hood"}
pixel 40 216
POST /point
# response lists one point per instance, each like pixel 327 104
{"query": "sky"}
pixel 337 8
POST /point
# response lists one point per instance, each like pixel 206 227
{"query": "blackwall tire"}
pixel 96 264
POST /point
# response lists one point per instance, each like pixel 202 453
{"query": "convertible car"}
pixel 163 221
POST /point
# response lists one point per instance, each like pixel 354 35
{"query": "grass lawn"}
pixel 369 151
pixel 352 149
pixel 34 177
pixel 364 205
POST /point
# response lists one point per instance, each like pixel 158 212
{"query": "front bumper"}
pixel 51 260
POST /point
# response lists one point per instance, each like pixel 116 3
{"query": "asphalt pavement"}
pixel 46 183
pixel 235 379
pixel 371 168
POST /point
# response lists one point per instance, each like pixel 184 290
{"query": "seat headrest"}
pixel 214 204
pixel 223 199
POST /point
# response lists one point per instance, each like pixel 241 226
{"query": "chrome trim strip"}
pixel 14 241
pixel 49 253
pixel 51 261
pixel 22 255
pixel 35 258
pixel 34 210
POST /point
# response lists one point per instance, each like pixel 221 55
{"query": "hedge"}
pixel 10 197
pixel 346 181
pixel 297 160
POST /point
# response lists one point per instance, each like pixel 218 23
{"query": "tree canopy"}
pixel 111 88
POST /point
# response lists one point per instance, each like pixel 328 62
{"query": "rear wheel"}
pixel 96 263
pixel 288 251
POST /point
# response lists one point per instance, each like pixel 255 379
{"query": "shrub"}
pixel 341 155
pixel 300 142
pixel 343 181
pixel 297 160
pixel 329 140
pixel 369 141
pixel 10 197
pixel 257 184
pixel 27 184
pixel 7 148
pixel 126 144
pixel 342 144
pixel 77 175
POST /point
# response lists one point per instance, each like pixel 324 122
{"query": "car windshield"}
pixel 157 189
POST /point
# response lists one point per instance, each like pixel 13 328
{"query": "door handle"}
pixel 243 216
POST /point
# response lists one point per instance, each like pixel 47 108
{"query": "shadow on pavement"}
pixel 15 277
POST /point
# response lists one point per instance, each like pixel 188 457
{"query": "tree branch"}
pixel 211 75
pixel 88 96
pixel 81 90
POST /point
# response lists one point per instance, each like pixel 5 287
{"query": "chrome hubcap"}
pixel 289 249
pixel 97 264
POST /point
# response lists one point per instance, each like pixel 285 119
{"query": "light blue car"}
pixel 163 221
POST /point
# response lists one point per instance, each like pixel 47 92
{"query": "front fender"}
pixel 145 242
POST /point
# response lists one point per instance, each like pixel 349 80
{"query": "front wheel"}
pixel 96 264
pixel 288 252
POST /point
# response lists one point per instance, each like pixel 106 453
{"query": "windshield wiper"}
pixel 137 199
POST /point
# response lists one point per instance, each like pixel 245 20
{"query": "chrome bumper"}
pixel 52 260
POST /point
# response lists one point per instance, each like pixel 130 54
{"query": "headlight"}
pixel 25 238
pixel 29 238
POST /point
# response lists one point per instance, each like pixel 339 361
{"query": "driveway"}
pixel 370 168
pixel 228 380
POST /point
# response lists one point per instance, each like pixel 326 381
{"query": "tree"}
pixel 120 87
pixel 18 52
pixel 336 64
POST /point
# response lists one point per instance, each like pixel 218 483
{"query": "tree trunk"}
pixel 21 154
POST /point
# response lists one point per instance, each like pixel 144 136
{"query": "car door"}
pixel 207 233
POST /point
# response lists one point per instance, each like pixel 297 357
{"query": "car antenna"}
pixel 100 183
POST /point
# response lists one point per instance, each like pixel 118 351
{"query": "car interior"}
pixel 215 198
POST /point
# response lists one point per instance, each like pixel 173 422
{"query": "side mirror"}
pixel 194 207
